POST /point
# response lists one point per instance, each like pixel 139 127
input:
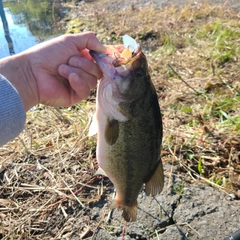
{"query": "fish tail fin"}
pixel 129 213
pixel 156 183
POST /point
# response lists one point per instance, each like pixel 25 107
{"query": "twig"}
pixel 101 220
pixel 25 220
pixel 65 198
pixel 169 65
pixel 124 230
pixel 86 232
pixel 73 194
pixel 189 227
pixel 111 210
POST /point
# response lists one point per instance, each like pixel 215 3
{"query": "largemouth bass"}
pixel 129 126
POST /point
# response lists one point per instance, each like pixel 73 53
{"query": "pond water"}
pixel 28 22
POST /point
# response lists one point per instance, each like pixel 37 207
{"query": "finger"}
pixel 85 54
pixel 86 65
pixel 80 87
pixel 66 70
pixel 87 40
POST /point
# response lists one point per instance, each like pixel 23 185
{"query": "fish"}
pixel 129 125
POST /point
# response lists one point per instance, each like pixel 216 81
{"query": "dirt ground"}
pixel 48 189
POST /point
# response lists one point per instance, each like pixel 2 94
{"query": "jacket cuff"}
pixel 12 112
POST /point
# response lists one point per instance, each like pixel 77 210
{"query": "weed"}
pixel 232 123
pixel 179 188
pixel 222 107
pixel 200 166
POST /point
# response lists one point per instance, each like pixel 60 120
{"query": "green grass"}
pixel 222 39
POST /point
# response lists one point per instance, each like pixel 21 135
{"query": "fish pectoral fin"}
pixel 100 171
pixel 111 131
pixel 93 129
pixel 155 184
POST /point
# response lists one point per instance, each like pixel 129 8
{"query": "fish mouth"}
pixel 102 59
pixel 127 61
pixel 112 61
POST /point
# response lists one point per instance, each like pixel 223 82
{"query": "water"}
pixel 21 37
pixel 30 22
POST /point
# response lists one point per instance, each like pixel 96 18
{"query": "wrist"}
pixel 17 70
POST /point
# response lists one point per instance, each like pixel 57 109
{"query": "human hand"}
pixel 58 72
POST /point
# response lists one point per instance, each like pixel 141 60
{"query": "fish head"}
pixel 128 73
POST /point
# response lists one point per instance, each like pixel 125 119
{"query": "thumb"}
pixel 88 40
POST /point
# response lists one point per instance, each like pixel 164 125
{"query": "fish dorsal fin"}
pixel 155 184
pixel 111 131
pixel 93 129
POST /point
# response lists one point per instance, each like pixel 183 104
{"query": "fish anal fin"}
pixel 111 131
pixel 100 171
pixel 156 183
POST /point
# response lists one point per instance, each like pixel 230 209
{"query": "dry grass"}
pixel 47 182
pixel 52 161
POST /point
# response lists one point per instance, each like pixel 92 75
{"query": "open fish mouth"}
pixel 129 58
pixel 119 56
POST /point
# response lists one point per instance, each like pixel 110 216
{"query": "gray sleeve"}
pixel 12 113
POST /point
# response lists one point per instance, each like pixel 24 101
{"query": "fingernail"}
pixel 75 78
